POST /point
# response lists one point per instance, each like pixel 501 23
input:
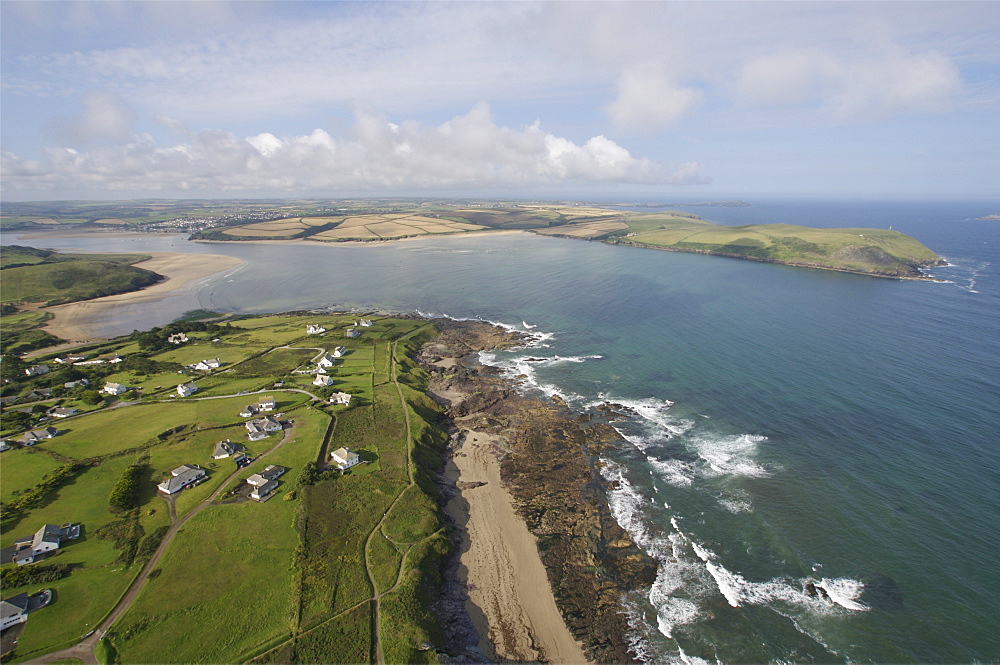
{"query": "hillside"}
pixel 878 252
pixel 32 276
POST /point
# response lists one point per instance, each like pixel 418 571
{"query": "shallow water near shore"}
pixel 788 425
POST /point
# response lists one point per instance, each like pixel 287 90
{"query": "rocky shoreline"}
pixel 549 463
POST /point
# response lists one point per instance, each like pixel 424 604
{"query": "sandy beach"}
pixel 77 322
pixel 510 599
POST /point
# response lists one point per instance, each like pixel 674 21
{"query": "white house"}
pixel 36 435
pixel 69 385
pixel 261 427
pixel 227 448
pixel 4 446
pixel 249 411
pixel 340 398
pixel 59 412
pixel 185 389
pixel 177 338
pixel 367 323
pixel 314 330
pixel 205 365
pixel 322 380
pixel 339 351
pixel 344 459
pixel 112 388
pixel 181 476
pixel 35 370
pixel 266 404
pixel 13 611
pixel 47 539
pixel 326 361
pixel 353 332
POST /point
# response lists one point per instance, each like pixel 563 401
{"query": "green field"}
pixel 871 251
pixel 244 579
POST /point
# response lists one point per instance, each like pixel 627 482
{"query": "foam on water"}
pixel 730 455
pixel 676 472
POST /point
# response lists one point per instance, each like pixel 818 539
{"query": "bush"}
pixel 36 574
pixel 125 494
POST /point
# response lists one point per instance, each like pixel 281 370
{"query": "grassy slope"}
pixel 229 587
pixel 69 281
pixel 873 251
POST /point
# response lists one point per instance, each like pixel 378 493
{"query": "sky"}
pixel 650 101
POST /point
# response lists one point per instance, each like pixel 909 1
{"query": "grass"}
pixel 242 577
pixel 243 549
pixel 23 468
pixel 69 281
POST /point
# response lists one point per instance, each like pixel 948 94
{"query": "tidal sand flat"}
pixel 83 321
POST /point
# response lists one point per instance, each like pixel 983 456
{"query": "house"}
pixel 4 446
pixel 326 361
pixel 205 365
pixel 322 380
pixel 344 458
pixel 47 539
pixel 13 611
pixel 266 404
pixel 113 358
pixel 39 393
pixel 273 471
pixel 112 388
pixel 227 448
pixel 249 411
pixel 315 330
pixel 69 385
pixel 35 370
pixel 340 398
pixel 58 412
pixel 36 435
pixel 262 427
pixel 186 389
pixel 353 332
pixel 339 352
pixel 8 400
pixel 177 338
pixel 69 359
pixel 181 477
pixel 367 323
pixel 261 486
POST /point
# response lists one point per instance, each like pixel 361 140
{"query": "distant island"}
pixel 875 252
pixel 990 217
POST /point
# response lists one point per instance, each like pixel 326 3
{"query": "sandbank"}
pixel 366 243
pixel 513 607
pixel 78 321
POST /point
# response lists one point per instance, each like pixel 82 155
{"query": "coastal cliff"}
pixel 548 462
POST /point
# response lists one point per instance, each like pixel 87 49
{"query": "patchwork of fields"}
pixel 239 579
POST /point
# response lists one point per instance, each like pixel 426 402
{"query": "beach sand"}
pixel 510 599
pixel 79 322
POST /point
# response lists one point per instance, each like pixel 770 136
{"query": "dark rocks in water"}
pixel 536 360
pixel 814 590
pixel 883 593
pixel 550 465
pixel 558 400
pixel 811 589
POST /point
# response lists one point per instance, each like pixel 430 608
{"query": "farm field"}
pixel 302 556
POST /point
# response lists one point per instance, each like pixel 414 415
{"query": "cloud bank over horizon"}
pixel 467 151
pixel 269 97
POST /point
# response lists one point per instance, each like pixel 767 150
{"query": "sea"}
pixel 811 457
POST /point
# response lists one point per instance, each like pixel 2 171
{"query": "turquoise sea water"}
pixel 792 425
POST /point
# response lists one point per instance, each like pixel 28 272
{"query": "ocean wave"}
pixel 676 472
pixel 730 455
pixel 739 591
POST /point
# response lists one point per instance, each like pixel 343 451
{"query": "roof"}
pixel 14 605
pixel 273 471
pixel 257 480
pixel 345 455
pixel 49 533
pixel 184 468
pixel 265 489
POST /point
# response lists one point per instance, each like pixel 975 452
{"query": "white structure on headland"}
pixel 181 476
pixel 185 389
pixel 323 380
pixel 314 330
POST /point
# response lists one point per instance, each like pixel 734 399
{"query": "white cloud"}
pixel 470 150
pixel 649 99
pixel 862 87
pixel 103 117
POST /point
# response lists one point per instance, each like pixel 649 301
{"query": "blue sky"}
pixel 652 100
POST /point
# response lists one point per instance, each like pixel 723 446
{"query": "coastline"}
pixel 76 321
pixel 542 564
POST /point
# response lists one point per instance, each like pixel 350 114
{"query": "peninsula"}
pixel 876 252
